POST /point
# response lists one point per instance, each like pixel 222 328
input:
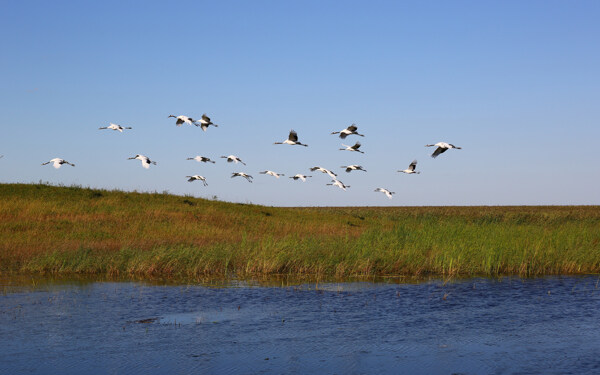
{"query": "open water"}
pixel 476 326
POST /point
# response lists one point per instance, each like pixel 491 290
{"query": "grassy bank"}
pixel 69 229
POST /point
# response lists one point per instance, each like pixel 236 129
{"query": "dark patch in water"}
pixel 143 321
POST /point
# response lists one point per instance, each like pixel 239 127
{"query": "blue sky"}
pixel 515 83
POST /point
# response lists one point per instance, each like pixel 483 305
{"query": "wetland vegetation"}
pixel 65 230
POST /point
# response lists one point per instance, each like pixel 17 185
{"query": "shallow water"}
pixel 478 326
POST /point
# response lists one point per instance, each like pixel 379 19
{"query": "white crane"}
pixel 271 173
pixel 183 119
pixel 57 162
pixel 202 159
pixel 145 160
pixel 352 129
pixel 411 168
pixel 352 148
pixel 291 140
pixel 242 174
pixel 233 158
pixel 339 184
pixel 115 127
pixel 300 177
pixel 386 192
pixel 441 148
pixel 323 170
pixel 205 122
pixel 353 167
pixel 197 177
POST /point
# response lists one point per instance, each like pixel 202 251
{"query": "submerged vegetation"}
pixel 50 229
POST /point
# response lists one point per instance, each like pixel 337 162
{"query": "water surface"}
pixel 478 326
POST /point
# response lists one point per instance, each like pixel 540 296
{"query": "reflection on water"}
pixel 476 326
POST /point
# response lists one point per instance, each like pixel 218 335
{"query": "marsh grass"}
pixel 50 229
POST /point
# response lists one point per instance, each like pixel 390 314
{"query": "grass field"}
pixel 50 229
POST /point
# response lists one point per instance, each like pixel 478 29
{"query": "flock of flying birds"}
pixel 292 140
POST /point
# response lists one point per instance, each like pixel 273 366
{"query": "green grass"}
pixel 62 230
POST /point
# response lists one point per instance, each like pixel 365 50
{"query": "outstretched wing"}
pixel 352 128
pixel 293 136
pixel 412 165
pixel 439 150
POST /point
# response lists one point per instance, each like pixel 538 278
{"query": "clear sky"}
pixel 515 83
